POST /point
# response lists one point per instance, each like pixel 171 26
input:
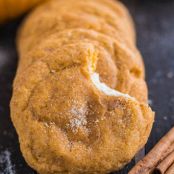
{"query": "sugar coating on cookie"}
pixel 79 101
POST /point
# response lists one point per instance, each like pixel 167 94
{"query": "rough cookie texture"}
pixel 79 100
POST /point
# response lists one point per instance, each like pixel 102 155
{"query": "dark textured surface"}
pixel 155 33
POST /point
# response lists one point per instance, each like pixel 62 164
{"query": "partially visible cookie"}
pixel 10 9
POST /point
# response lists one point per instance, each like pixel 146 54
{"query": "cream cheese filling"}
pixel 106 89
pixel 100 85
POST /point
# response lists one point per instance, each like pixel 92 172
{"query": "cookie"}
pixel 79 100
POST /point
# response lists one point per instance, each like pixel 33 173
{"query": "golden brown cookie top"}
pixel 66 101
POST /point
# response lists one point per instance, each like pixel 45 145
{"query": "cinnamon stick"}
pixel 151 160
pixel 165 164
pixel 169 150
pixel 170 170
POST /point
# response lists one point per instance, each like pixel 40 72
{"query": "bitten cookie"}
pixel 79 100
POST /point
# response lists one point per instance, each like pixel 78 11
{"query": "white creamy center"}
pixel 106 89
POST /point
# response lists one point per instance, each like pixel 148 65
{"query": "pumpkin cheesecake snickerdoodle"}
pixel 79 100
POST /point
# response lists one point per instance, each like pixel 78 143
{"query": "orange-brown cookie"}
pixel 10 9
pixel 79 100
pixel 81 15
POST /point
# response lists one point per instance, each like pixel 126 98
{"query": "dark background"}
pixel 155 36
